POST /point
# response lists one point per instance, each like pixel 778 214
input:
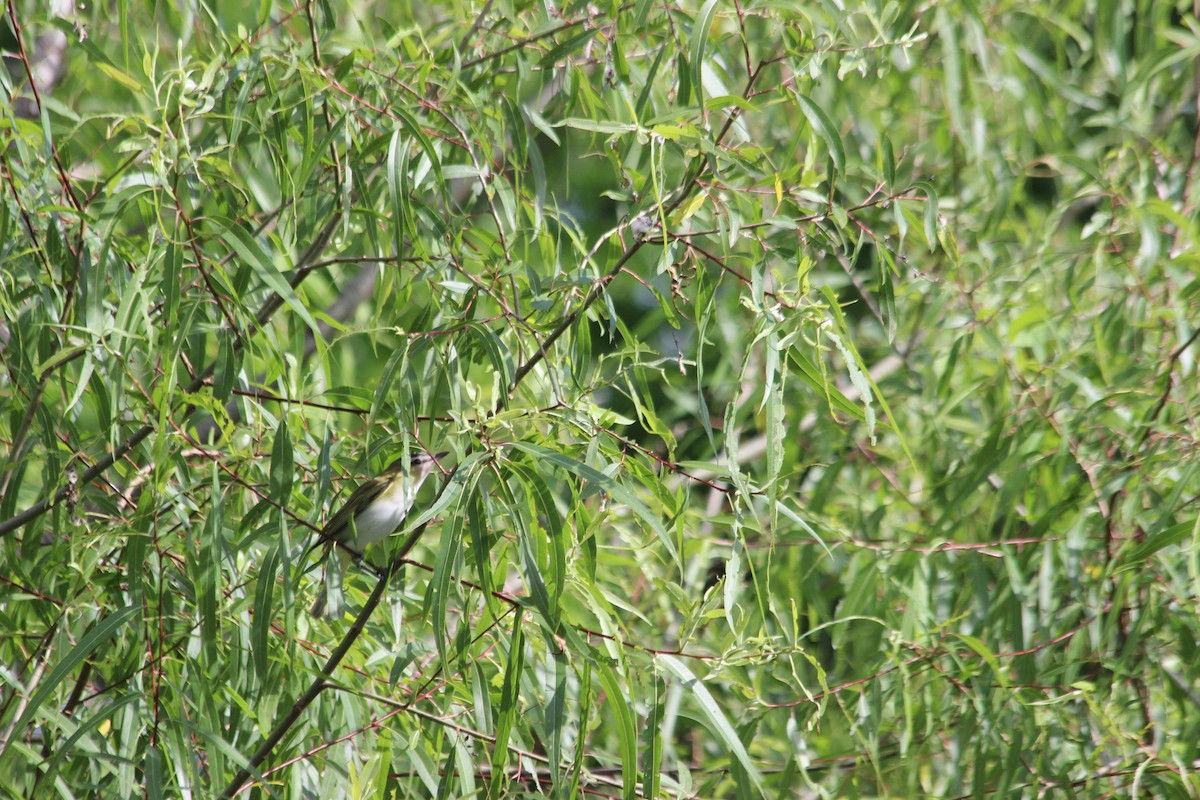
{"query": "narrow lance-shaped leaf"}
pixel 609 485
pixel 718 723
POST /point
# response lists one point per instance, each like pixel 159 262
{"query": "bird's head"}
pixel 418 464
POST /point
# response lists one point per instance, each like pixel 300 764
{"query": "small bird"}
pixel 375 510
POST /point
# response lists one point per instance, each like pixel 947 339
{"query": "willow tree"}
pixel 818 382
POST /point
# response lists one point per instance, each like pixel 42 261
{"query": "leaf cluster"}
pixel 819 381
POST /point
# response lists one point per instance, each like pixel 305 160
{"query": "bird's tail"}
pixel 331 599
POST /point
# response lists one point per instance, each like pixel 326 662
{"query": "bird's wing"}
pixel 359 498
pixel 362 497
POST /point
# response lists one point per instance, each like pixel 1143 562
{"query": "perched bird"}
pixel 375 510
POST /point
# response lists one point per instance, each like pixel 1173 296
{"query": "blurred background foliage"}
pixel 819 380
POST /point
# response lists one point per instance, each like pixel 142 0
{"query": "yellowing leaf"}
pixel 692 207
pixel 119 76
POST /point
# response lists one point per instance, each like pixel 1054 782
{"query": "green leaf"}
pixel 97 634
pixel 986 654
pixel 436 598
pixel 699 46
pixel 282 467
pixel 397 183
pixel 827 131
pixel 260 634
pixel 509 707
pixel 598 126
pixel 619 702
pixel 609 485
pixel 549 516
pixel 717 722
pixel 228 366
pixel 1137 553
pixel 253 254
pixel 931 213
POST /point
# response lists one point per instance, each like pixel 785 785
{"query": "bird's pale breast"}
pixel 383 516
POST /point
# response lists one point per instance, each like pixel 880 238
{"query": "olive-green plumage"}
pixel 374 510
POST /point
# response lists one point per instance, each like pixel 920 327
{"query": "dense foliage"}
pixel 819 381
